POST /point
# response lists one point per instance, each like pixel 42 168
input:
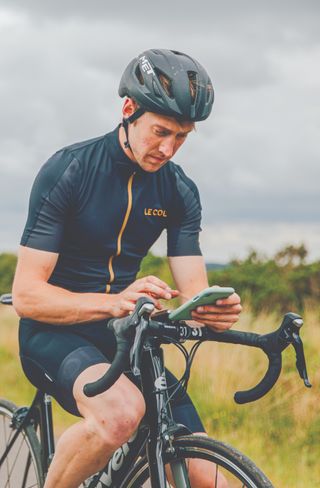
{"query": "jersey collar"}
pixel 118 154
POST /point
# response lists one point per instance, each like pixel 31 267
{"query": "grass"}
pixel 280 432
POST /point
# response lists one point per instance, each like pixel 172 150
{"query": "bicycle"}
pixel 159 442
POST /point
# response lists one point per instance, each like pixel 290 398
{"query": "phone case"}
pixel 208 296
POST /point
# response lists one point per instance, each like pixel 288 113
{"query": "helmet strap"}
pixel 126 121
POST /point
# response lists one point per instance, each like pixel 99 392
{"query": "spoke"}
pixel 216 480
pixel 6 443
pixel 15 461
pixel 26 471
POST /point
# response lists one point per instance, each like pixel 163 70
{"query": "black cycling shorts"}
pixel 53 356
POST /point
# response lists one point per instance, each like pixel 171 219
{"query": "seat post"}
pixel 44 406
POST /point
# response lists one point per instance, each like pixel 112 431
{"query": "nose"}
pixel 167 147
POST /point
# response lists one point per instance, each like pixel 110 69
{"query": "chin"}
pixel 151 168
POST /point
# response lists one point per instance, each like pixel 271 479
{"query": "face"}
pixel 155 138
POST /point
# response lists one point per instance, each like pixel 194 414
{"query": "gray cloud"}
pixel 256 159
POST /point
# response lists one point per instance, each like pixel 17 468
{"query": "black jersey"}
pixel 101 212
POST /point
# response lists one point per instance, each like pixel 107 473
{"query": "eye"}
pixel 160 133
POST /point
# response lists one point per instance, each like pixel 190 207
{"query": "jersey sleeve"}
pixel 184 226
pixel 50 202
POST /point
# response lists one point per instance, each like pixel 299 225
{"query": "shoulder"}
pixel 184 187
pixel 66 162
pixel 84 150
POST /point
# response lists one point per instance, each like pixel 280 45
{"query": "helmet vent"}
pixel 165 82
pixel 192 75
pixel 139 75
pixel 209 93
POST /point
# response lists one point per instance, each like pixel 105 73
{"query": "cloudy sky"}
pixel 256 161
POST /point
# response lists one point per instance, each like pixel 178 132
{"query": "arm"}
pixel 190 276
pixel 35 298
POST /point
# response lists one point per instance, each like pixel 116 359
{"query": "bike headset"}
pixel 168 83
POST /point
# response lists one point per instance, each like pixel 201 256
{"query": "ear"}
pixel 129 107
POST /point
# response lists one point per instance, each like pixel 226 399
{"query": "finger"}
pixel 225 309
pixel 124 307
pixel 157 291
pixel 214 318
pixel 174 293
pixel 134 297
pixel 233 299
pixel 158 282
pixel 144 286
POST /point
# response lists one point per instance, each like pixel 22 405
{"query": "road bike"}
pixel 159 453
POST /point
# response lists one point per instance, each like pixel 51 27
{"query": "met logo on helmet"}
pixel 146 66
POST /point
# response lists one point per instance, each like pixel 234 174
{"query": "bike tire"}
pixel 22 467
pixel 238 470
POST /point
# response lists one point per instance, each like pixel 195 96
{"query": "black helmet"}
pixel 169 83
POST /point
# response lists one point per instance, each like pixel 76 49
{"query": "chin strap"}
pixel 129 120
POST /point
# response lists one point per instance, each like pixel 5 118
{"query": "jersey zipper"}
pixel 124 224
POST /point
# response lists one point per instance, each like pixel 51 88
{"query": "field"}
pixel 281 432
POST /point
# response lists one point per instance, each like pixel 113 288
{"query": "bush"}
pixel 8 264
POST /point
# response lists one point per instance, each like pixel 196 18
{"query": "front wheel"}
pixel 229 468
pixel 21 468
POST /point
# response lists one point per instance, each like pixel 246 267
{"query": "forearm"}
pixel 54 305
pixel 189 274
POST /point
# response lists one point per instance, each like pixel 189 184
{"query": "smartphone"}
pixel 208 296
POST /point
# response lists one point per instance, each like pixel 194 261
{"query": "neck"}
pixel 122 139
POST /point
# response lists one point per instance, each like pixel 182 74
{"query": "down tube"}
pixel 158 413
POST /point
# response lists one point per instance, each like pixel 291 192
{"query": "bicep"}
pixel 34 266
pixel 183 226
pixel 189 274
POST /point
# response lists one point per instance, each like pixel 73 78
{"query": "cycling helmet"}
pixel 169 83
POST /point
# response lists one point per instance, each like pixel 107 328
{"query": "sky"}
pixel 256 160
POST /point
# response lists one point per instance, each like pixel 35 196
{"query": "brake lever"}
pixel 290 333
pixel 137 347
pixel 300 359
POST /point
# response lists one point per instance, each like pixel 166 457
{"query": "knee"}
pixel 115 424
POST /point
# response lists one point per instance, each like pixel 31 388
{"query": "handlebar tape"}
pixel 124 332
pixel 265 385
pixel 118 366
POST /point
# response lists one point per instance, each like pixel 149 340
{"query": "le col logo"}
pixel 115 463
pixel 155 211
pixel 146 66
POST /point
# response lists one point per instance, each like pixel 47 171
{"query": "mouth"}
pixel 157 159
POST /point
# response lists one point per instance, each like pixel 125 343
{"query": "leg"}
pixel 204 474
pixel 108 421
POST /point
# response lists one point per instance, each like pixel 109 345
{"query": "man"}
pixel 95 209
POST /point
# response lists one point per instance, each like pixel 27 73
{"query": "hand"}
pixel 220 316
pixel 149 286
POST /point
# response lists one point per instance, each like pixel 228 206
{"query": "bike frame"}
pixel 39 414
pixel 155 432
pixel 153 436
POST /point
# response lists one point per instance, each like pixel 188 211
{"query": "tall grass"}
pixel 280 432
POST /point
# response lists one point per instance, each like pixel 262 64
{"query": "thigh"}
pixel 124 398
pixel 52 359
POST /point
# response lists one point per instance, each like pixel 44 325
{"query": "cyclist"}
pixel 96 207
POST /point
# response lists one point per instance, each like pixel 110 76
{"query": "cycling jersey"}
pixel 101 212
